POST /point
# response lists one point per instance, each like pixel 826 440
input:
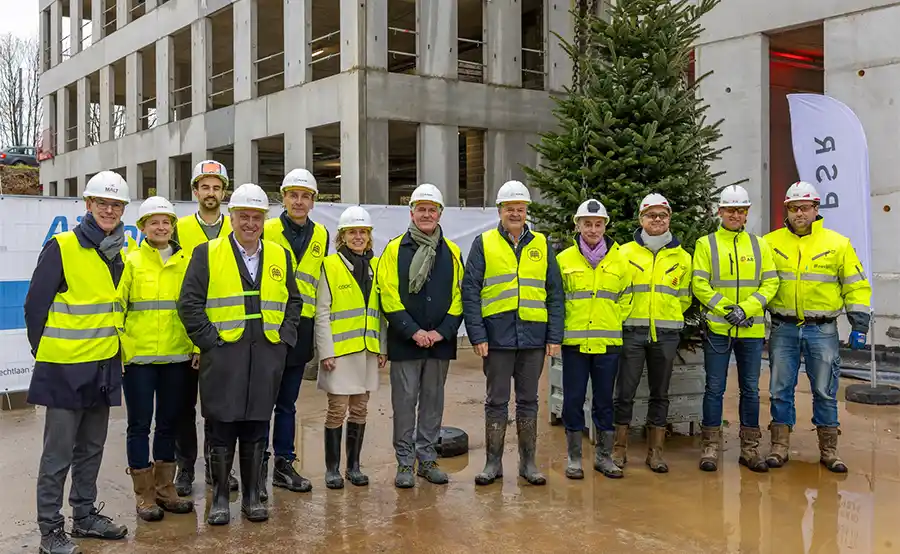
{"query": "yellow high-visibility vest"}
pixel 388 279
pixel 84 323
pixel 148 291
pixel 597 299
pixel 225 297
pixel 661 287
pixel 820 273
pixel 355 326
pixel 190 233
pixel 511 284
pixel 307 269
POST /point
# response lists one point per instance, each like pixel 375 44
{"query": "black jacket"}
pixel 68 386
pixel 238 381
pixel 427 310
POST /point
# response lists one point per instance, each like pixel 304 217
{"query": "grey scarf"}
pixel 423 259
pixel 112 243
pixel 657 243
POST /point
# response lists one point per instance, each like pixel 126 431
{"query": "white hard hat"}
pixel 109 185
pixel 209 168
pixel 155 205
pixel 591 208
pixel 354 216
pixel 654 199
pixel 427 193
pixel 299 179
pixel 734 196
pixel 513 191
pixel 801 190
pixel 249 196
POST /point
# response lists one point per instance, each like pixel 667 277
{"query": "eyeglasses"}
pixel 107 205
pixel 740 211
pixel 660 216
pixel 805 208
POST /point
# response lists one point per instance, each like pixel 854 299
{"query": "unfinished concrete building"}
pixel 375 96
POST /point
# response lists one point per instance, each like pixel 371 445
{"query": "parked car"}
pixel 14 155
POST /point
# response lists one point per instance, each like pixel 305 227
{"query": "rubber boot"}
pixel 620 447
pixel 264 477
pixel 144 494
pixel 656 438
pixel 220 460
pixel 355 434
pixel 750 457
pixel 526 429
pixel 711 438
pixel 207 464
pixel 602 456
pixel 573 462
pixel 251 466
pixel 184 481
pixel 494 439
pixel 781 445
pixel 333 479
pixel 166 497
pixel 828 454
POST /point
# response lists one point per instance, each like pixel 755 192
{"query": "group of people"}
pixel 234 306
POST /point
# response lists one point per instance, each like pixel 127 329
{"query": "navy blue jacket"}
pixel 68 386
pixel 505 331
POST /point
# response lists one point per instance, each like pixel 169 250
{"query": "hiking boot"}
pixel 781 445
pixel 221 458
pixel 184 481
pixel 710 440
pixel 573 460
pixel 145 494
pixel 828 455
pixel 750 457
pixel 286 477
pixel 355 434
pixel 602 459
pixel 404 478
pixel 166 497
pixel 432 473
pixel 620 446
pixel 526 429
pixel 251 463
pixel 333 479
pixel 656 437
pixel 98 526
pixel 494 438
pixel 58 542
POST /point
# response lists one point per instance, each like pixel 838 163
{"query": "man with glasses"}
pixel 73 321
pixel 735 278
pixel 821 276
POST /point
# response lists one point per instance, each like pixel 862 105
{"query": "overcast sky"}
pixel 20 17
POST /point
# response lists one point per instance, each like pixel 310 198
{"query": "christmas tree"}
pixel 631 123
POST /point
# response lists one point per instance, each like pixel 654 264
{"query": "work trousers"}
pixel 186 428
pixel 601 369
pixel 72 438
pixel 505 369
pixel 417 389
pixel 144 385
pixel 225 434
pixel 660 358
pixel 338 404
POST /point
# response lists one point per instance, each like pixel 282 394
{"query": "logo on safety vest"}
pixel 316 249
pixel 747 258
pixel 345 287
pixel 535 254
pixel 275 273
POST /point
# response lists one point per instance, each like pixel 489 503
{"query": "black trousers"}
pixel 660 357
pixel 228 433
pixel 186 426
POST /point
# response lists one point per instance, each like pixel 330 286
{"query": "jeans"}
pixel 143 384
pixel 717 351
pixel 505 369
pixel 602 370
pixel 285 425
pixel 417 398
pixel 660 358
pixel 819 346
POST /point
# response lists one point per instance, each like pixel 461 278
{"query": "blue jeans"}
pixel 819 346
pixel 143 384
pixel 284 428
pixel 717 351
pixel 602 370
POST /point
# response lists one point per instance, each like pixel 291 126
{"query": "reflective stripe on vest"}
pixel 191 234
pixel 511 284
pixel 308 268
pixel 354 326
pixel 83 323
pixel 718 281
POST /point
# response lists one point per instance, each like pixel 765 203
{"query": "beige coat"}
pixel 354 373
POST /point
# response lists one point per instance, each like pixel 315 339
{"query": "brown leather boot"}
pixel 709 448
pixel 750 457
pixel 828 455
pixel 144 494
pixel 781 445
pixel 166 497
pixel 620 446
pixel 656 437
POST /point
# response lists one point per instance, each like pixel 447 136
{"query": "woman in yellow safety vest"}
pixel 157 354
pixel 349 340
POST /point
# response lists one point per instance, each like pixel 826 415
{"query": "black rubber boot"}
pixel 264 477
pixel 220 460
pixel 494 438
pixel 251 466
pixel 526 428
pixel 573 455
pixel 333 479
pixel 184 481
pixel 355 434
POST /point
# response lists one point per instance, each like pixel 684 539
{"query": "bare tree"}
pixel 20 103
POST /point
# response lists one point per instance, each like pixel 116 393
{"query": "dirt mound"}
pixel 19 179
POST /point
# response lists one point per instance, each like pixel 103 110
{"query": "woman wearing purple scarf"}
pixel 597 283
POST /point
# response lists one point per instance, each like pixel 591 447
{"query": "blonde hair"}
pixel 339 238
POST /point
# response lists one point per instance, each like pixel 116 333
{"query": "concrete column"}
pixel 298 151
pixel 62 119
pixel 353 30
pixel 245 49
pixel 246 162
pixel 741 98
pixel 165 170
pixel 133 94
pixel 123 14
pixel 353 137
pixel 107 102
pixel 503 42
pixel 80 183
pixel 84 110
pixel 96 21
pixel 377 34
pixel 165 75
pixel 201 64
pixel 134 176
pixel 438 159
pixel 150 5
pixel 44 42
pixel 559 65
pixel 55 32
pixel 76 20
pixel 198 156
pixel 375 190
pixel 297 34
pixel 438 32
pixel 506 153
